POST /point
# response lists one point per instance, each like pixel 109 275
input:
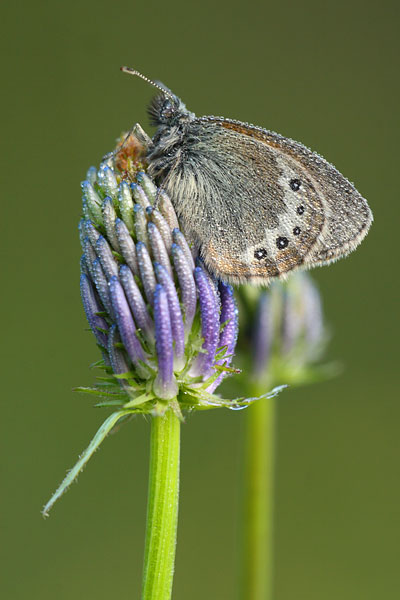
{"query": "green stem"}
pixel 162 508
pixel 258 504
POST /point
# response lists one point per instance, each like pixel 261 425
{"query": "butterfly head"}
pixel 167 109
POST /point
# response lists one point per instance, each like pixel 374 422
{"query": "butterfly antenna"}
pixel 153 83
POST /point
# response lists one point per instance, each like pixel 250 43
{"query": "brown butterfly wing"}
pixel 259 205
pixel 347 214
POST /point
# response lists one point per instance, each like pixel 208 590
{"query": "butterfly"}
pixel 255 205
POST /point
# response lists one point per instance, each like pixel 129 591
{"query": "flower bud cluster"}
pixel 289 334
pixel 166 328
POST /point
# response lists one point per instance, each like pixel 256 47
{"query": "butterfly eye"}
pixel 167 109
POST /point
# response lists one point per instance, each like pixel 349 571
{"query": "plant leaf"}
pixel 101 434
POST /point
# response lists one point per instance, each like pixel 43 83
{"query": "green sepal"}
pixel 199 399
pixel 109 404
pixel 98 392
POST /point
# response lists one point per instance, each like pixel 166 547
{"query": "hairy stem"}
pixel 162 508
pixel 257 559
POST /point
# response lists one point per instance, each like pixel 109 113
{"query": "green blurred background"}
pixel 323 73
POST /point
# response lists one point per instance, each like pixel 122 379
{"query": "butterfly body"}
pixel 255 204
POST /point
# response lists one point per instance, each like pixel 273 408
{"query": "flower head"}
pixel 166 328
pixel 288 334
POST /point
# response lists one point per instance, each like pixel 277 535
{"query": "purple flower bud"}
pixel 127 246
pixel 213 282
pixel 126 205
pixel 107 260
pixel 93 201
pixel 209 325
pixel 162 226
pixel 158 249
pixel 166 208
pixel 116 356
pixel 146 271
pixel 101 284
pixel 89 256
pixel 91 175
pixel 84 268
pixel 230 327
pixel 164 385
pixel 148 186
pixel 136 302
pixel 92 307
pixel 85 209
pixel 109 216
pixel 175 314
pixel 140 224
pixel 179 239
pixel 107 181
pixel 187 286
pixel 139 196
pixel 229 320
pixel 91 232
pixel 126 325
